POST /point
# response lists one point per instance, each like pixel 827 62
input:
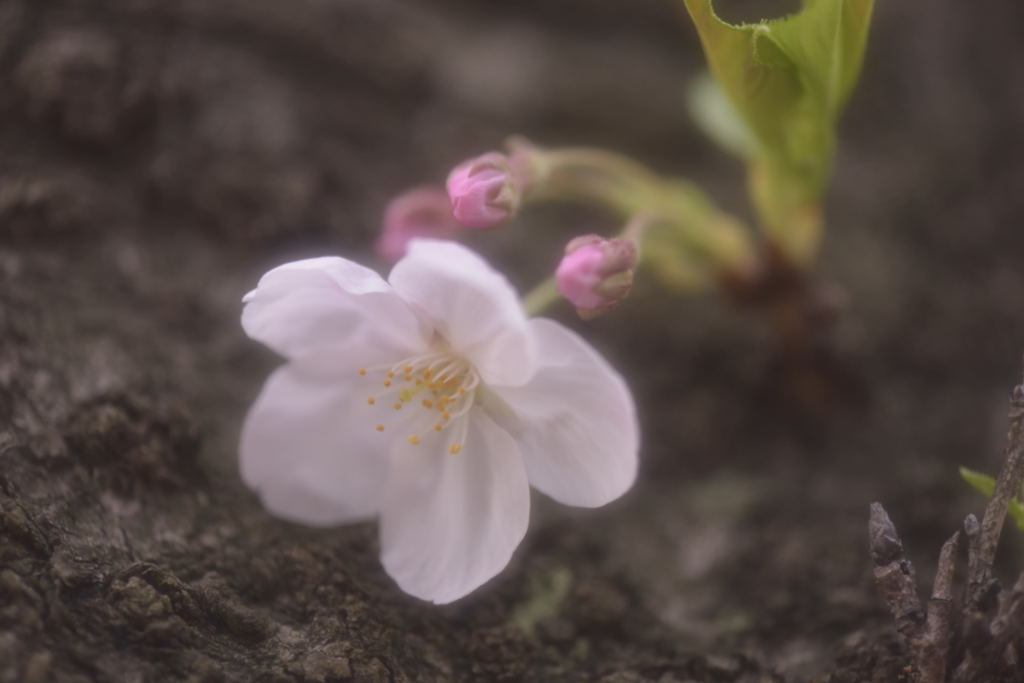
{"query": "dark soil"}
pixel 157 157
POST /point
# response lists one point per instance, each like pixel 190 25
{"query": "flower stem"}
pixel 636 228
pixel 538 299
pixel 682 226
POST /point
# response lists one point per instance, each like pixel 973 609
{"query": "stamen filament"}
pixel 462 428
pixel 450 380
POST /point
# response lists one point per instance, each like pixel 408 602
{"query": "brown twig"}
pixel 932 649
pixel 927 637
pixel 974 634
pixel 1008 485
pixel 1011 613
pixel 894 574
pixel 992 625
pixel 972 529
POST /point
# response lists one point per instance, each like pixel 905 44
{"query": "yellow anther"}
pixel 427 403
pixel 407 368
pixel 398 406
pixel 445 415
pixel 455 448
pixel 462 390
pixel 387 383
pixel 371 400
pixel 437 427
pixel 362 371
pixel 380 428
pixel 408 378
pixel 414 440
pixel 427 373
pixel 419 382
pixel 389 374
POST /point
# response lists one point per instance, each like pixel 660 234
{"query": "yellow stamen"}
pixel 398 406
pixel 371 400
pixel 437 427
pixel 387 383
pixel 362 371
pixel 455 448
pixel 390 374
pixel 380 428
pixel 414 440
pixel 407 368
pixel 408 378
pixel 445 415
pixel 427 403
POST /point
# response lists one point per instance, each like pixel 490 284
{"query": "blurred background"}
pixel 156 158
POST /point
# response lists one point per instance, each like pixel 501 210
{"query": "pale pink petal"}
pixel 419 212
pixel 309 447
pixel 328 302
pixel 451 521
pixel 579 275
pixel 471 305
pixel 575 422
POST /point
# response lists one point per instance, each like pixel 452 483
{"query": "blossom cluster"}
pixel 487 191
pixel 431 400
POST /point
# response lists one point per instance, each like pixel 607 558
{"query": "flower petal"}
pixel 576 421
pixel 305 449
pixel 471 305
pixel 451 521
pixel 324 302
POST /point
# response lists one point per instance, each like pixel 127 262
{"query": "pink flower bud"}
pixel 420 212
pixel 484 191
pixel 596 273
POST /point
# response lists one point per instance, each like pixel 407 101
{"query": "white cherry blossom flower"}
pixel 432 402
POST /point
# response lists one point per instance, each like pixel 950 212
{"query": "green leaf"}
pixel 1016 511
pixel 826 43
pixel 979 480
pixel 788 79
pixel 712 111
pixel 987 486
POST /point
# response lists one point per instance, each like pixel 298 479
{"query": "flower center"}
pixel 431 392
